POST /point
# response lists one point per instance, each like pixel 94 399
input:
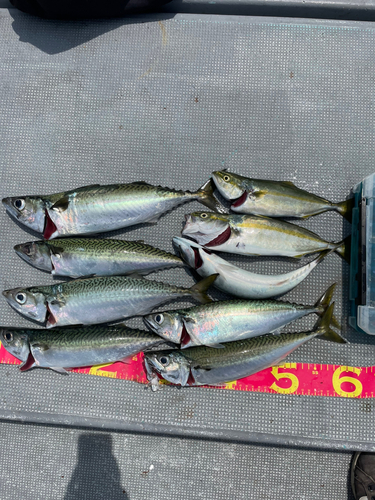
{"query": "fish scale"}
pixel 72 347
pixel 208 366
pixel 253 235
pixel 98 300
pixel 96 208
pixel 230 320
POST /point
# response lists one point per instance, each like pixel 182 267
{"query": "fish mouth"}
pixel 148 323
pixel 220 239
pixel 241 200
pixel 49 228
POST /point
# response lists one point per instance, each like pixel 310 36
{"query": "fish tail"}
pixel 321 256
pixel 345 208
pixel 323 329
pixel 323 304
pixel 205 195
pixel 199 290
pixel 343 249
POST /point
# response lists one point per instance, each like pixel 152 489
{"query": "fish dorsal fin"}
pixel 84 188
pixel 84 278
pixel 288 183
pixel 140 183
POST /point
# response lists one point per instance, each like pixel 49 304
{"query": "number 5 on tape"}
pixel 290 376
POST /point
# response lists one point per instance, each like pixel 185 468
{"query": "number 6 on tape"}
pixel 337 381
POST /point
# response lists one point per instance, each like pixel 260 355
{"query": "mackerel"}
pixel 253 235
pixel 236 360
pixel 76 257
pixel 72 347
pixel 230 320
pixel 96 208
pixel 98 300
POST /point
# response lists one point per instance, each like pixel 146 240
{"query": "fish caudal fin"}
pixel 343 249
pixel 345 208
pixel 324 304
pixel 199 290
pixel 323 329
pixel 205 195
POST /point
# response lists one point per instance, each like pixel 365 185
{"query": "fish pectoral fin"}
pixel 39 347
pixel 61 205
pixel 58 301
pixel 55 250
pixel 188 319
pixel 154 220
pixel 258 194
pixel 134 275
pixel 58 369
pixel 127 360
pixel 276 332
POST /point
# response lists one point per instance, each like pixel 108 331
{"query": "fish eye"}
pixel 226 178
pixel 8 336
pixel 27 249
pixel 19 204
pixel 164 360
pixel 204 216
pixel 21 297
pixel 159 318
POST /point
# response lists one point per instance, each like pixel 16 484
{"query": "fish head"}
pixel 16 342
pixel 207 228
pixel 27 302
pixel 172 366
pixel 167 325
pixel 36 253
pixel 29 210
pixel 190 252
pixel 230 186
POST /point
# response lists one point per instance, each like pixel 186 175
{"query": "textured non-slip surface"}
pixel 169 100
pixel 39 462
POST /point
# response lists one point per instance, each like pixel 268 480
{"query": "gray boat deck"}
pixel 169 98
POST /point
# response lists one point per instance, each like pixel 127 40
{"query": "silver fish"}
pixel 252 235
pixel 274 198
pixel 98 300
pixel 72 347
pixel 76 257
pixel 236 360
pixel 230 320
pixel 239 282
pixel 96 208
